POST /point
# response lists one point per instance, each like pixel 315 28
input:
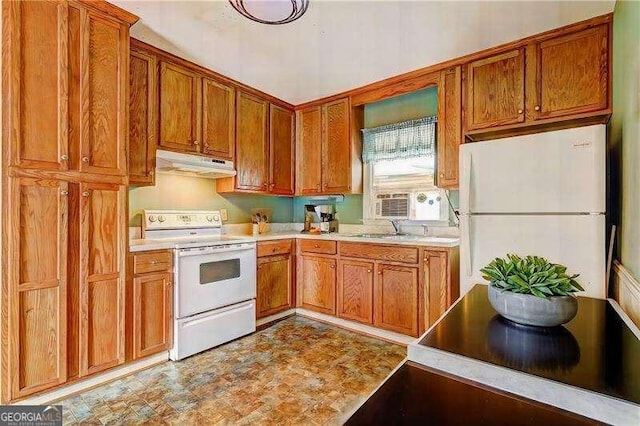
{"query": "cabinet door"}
pixel 495 90
pixel 36 286
pixel 435 286
pixel 143 103
pixel 152 314
pixel 309 152
pixel 218 119
pixel 102 276
pixel 275 285
pixel 449 126
pixel 104 59
pixel 317 284
pixel 572 74
pixel 281 152
pixel 35 92
pixel 252 143
pixel 397 299
pixel 179 108
pixel 336 147
pixel 355 291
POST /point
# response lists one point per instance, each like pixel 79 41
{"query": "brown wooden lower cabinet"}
pixel 149 303
pixel 355 290
pixel 440 284
pixel 274 284
pixel 317 283
pixel 396 293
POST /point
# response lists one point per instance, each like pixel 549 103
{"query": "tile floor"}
pixel 296 372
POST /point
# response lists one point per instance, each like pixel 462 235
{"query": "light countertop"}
pixel 136 245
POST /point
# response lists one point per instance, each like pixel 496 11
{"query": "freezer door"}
pixel 553 172
pixel 577 241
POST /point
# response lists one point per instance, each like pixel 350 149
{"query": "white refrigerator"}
pixel 541 194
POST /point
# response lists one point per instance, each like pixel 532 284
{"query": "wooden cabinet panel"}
pixel 179 108
pixel 495 90
pixel 318 246
pixel 336 147
pixel 218 119
pixel 102 276
pixel 355 291
pixel 152 308
pixel 309 152
pixel 449 127
pixel 435 286
pixel 274 285
pixel 143 104
pixel 152 261
pixel 572 74
pixel 281 151
pixel 252 143
pixel 35 92
pixel 104 59
pixel 401 254
pixel 272 248
pixel 317 284
pixel 397 299
pixel 37 285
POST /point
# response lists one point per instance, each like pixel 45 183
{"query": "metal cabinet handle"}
pixel 369 271
pixel 318 187
pixel 441 175
pixel 537 107
pixel 333 266
pixel 85 193
pixel 520 111
pixel 379 272
pixel 316 246
pixel 64 192
pixel 64 157
pixel 85 159
pixel 196 143
pixel 153 262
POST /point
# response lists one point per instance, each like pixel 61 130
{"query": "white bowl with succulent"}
pixel 531 290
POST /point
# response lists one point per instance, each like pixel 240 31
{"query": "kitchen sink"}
pixel 370 235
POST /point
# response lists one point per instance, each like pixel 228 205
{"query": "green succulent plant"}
pixel 530 275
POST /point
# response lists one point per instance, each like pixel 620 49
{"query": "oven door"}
pixel 212 277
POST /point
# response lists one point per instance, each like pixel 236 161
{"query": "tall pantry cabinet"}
pixel 64 136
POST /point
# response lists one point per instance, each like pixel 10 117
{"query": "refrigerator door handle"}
pixel 466 239
pixel 466 186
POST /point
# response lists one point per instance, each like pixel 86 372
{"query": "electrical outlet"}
pixel 223 215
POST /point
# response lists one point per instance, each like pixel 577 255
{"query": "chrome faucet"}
pixel 396 225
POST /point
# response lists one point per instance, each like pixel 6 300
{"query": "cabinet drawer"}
pixel 269 248
pixel 152 261
pixel 324 247
pixel 380 252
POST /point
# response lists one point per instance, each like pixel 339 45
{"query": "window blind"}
pixel 409 139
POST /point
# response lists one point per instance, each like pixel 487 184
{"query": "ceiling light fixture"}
pixel 271 12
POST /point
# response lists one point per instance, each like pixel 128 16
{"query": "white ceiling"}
pixel 340 45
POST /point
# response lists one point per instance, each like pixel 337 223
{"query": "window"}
pixel 399 171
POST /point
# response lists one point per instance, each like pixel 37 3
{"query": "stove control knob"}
pixel 209 218
pixel 152 219
pixel 161 219
pixel 216 217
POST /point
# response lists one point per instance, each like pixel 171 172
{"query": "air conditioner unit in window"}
pixel 393 205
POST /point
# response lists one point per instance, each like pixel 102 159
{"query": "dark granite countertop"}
pixel 596 350
pixel 415 394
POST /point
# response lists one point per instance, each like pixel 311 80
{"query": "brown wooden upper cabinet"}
pixel 495 90
pixel 328 158
pixel 179 108
pixel 281 150
pixel 67 68
pixel 218 119
pixel 449 126
pixel 559 77
pixel 143 104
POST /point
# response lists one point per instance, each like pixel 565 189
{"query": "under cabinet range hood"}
pixel 193 165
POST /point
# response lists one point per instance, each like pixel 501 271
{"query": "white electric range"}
pixel 214 279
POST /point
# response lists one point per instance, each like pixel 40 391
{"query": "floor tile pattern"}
pixel 296 372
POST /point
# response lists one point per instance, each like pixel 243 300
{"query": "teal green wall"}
pixel 624 134
pixel 422 103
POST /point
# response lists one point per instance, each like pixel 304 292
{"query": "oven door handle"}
pixel 186 252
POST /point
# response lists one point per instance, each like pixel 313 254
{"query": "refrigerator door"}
pixel 553 172
pixel 577 241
